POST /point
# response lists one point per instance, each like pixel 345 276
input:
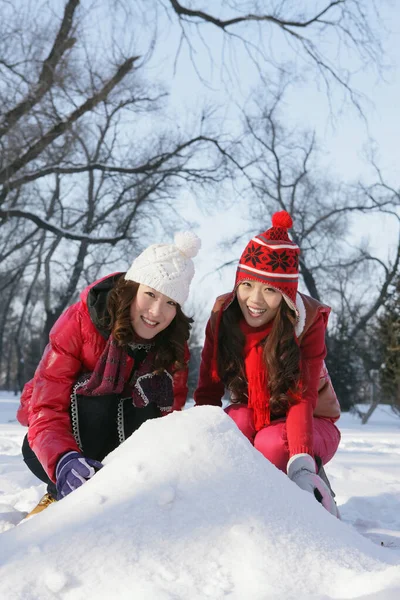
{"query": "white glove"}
pixel 301 470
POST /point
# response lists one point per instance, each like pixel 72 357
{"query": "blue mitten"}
pixel 72 470
pixel 301 470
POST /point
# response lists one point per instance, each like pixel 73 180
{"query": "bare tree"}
pixel 83 179
pixel 31 128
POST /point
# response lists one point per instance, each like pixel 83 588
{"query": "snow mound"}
pixel 186 508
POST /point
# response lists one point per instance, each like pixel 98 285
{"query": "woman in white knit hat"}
pixel 115 359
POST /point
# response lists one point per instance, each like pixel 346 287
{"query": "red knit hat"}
pixel 273 259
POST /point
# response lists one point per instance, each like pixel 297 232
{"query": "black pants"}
pixel 33 464
pixel 98 432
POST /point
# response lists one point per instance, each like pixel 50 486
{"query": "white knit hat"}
pixel 167 268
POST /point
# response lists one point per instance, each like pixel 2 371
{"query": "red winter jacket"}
pixel 74 347
pixel 319 398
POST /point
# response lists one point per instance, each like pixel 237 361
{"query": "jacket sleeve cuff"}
pixel 301 450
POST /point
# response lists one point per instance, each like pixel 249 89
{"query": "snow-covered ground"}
pixel 187 509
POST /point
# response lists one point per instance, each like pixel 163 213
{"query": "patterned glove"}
pixel 301 470
pixel 72 470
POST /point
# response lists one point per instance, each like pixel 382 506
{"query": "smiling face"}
pixel 151 312
pixel 258 302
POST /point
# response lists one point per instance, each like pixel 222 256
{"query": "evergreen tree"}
pixel 389 339
pixel 342 367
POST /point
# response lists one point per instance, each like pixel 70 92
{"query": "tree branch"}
pixel 36 149
pixel 62 43
pixel 381 298
pixel 183 11
pixel 153 165
pixel 42 224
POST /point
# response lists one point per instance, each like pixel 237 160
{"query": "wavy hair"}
pixel 169 343
pixel 281 355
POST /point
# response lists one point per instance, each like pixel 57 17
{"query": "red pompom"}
pixel 282 219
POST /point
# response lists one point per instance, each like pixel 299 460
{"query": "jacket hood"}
pixel 95 297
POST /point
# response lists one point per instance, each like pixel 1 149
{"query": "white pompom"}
pixel 188 243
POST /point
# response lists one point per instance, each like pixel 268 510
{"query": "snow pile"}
pixel 186 508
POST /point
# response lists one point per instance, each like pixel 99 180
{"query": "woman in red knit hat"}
pixel 265 343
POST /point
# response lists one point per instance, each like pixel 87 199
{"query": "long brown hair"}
pixel 169 343
pixel 281 356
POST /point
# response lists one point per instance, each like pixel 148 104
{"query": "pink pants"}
pixel 272 442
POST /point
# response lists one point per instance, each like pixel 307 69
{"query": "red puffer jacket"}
pixel 74 347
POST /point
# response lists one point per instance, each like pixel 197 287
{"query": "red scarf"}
pixel 256 372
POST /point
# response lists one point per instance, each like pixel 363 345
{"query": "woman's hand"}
pixel 301 469
pixel 72 470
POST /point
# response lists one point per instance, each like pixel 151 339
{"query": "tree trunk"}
pixel 374 403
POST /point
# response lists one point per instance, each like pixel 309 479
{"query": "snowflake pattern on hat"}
pixel 253 255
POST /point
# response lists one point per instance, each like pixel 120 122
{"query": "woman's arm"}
pixel 208 391
pixel 299 421
pixel 50 434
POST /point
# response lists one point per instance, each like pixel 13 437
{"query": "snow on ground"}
pixel 186 508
